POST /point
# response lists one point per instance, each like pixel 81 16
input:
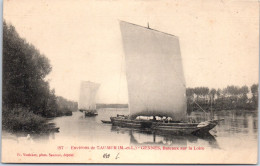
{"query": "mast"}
pixel 154 72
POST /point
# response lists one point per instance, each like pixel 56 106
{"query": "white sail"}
pixel 87 98
pixel 154 72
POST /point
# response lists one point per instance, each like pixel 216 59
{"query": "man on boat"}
pixel 154 118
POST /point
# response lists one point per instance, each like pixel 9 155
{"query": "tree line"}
pixel 230 97
pixel 101 105
pixel 24 86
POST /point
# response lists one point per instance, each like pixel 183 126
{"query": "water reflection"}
pixel 29 137
pixel 148 137
pixel 237 126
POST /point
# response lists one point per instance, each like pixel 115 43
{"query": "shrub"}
pixel 21 119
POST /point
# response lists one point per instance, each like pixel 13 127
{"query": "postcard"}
pixel 130 82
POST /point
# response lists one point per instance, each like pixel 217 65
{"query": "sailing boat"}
pixel 87 98
pixel 156 84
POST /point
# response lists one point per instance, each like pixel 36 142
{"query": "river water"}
pixel 238 132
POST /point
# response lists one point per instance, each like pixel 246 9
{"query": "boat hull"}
pixel 89 112
pixel 171 127
pixel 106 121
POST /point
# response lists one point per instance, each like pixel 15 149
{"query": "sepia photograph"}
pixel 130 82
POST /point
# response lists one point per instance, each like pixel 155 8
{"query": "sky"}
pixel 82 39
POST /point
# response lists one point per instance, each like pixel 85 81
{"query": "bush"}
pixel 21 119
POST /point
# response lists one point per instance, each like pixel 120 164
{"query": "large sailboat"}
pixel 87 98
pixel 156 84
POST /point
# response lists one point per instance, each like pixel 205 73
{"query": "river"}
pixel 238 132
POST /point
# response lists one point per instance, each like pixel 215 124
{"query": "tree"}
pixel 213 93
pixel 232 90
pixel 189 92
pixel 254 91
pixel 201 92
pixel 24 70
pixel 219 92
pixel 244 90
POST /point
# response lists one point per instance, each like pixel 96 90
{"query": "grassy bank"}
pixel 20 119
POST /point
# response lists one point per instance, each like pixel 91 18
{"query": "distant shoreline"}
pixel 101 105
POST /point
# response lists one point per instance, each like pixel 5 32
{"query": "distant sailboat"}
pixel 156 84
pixel 87 98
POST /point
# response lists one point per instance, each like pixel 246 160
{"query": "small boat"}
pixel 106 121
pixel 87 102
pixel 91 113
pixel 156 83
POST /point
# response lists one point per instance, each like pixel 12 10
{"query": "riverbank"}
pixel 28 99
pixel 21 119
